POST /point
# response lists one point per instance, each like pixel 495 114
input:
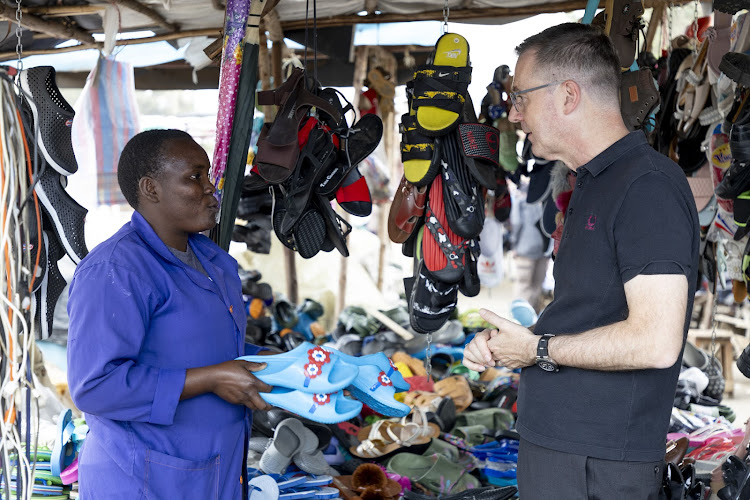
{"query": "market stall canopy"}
pixel 54 26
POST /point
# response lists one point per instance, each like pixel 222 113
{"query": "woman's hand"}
pixel 233 381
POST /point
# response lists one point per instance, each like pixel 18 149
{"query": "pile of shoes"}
pixel 438 210
pixel 47 119
pixel 308 161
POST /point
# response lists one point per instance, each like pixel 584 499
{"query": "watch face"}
pixel 547 366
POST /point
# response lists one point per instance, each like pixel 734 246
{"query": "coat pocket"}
pixel 168 477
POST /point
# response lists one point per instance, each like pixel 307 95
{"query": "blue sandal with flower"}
pixel 307 368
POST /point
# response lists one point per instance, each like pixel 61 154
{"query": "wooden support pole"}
pixel 264 69
pixel 360 71
pixel 53 28
pixel 148 12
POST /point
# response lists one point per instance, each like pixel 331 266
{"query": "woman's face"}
pixel 186 199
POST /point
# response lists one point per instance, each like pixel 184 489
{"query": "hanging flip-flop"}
pixel 442 249
pixel 441 86
pixel 52 285
pixel 353 195
pixel 431 301
pixel 463 200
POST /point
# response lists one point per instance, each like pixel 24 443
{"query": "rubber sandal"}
pixel 442 249
pixel 471 285
pixel 63 452
pixel 337 228
pixel 441 86
pixel 383 363
pixel 463 201
pixel 479 146
pixel 431 301
pixel 52 285
pixel 67 216
pixel 436 472
pixel 317 155
pixel 356 144
pixel 323 408
pixel 419 153
pixel 278 144
pixel 457 388
pixel 307 368
pixel 375 387
pixel 354 195
pixel 263 488
pixel 415 366
pixel 493 418
pixel 265 422
pixel 483 493
pixel 54 117
pixel 407 209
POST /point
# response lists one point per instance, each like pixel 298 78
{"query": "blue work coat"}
pixel 139 318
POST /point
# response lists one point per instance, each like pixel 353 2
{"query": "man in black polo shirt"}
pixel 600 369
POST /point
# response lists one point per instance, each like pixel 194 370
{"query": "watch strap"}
pixel 542 348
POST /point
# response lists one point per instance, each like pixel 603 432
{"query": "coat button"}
pixel 580 183
pixel 231 309
pixel 570 211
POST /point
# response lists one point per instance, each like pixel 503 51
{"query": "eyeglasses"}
pixel 518 103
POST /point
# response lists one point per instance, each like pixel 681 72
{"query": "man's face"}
pixel 535 110
pixel 186 195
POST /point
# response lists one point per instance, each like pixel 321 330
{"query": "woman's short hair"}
pixel 578 52
pixel 142 156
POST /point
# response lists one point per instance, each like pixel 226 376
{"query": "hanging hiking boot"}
pixel 54 117
pixel 623 26
pixel 67 216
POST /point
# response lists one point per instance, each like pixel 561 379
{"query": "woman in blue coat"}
pixel 156 321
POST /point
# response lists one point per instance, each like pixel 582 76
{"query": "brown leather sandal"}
pixel 407 208
pixel 278 144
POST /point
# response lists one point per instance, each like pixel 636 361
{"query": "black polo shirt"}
pixel 631 213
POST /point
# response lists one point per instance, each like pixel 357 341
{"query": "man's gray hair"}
pixel 577 52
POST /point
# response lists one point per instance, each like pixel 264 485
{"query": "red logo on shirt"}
pixel 591 222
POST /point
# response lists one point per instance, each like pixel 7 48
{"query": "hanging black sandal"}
pixel 464 203
pixel 316 158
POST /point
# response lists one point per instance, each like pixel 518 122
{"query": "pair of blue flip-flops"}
pixel 309 381
pixel 290 486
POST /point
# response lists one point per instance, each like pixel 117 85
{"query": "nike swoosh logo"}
pixel 441 75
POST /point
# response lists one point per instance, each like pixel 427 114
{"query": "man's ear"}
pixel 148 189
pixel 572 96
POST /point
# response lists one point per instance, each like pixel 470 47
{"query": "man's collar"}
pixel 607 157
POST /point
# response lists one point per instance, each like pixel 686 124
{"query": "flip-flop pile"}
pixel 309 381
pixel 438 210
pixel 311 160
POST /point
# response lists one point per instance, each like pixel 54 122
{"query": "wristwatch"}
pixel 543 360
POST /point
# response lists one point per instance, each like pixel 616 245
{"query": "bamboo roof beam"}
pixel 64 10
pixel 148 12
pixel 4 56
pixel 53 28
